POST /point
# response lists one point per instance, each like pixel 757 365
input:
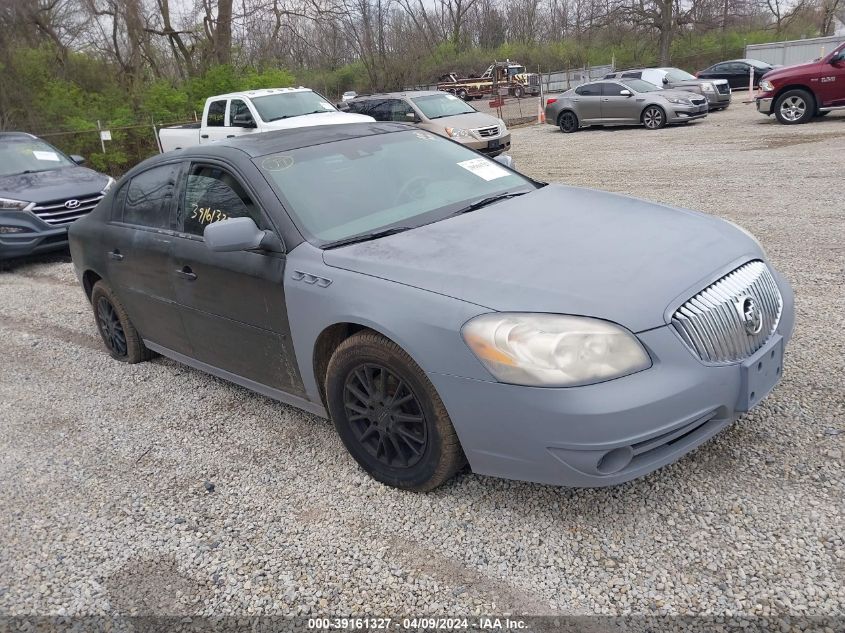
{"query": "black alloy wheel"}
pixel 111 328
pixel 568 122
pixel 385 415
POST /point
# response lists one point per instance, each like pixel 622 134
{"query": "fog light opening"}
pixel 12 229
pixel 615 460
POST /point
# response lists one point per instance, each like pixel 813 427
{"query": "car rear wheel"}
pixel 389 415
pixel 794 107
pixel 119 335
pixel 654 118
pixel 463 94
pixel 518 92
pixel 567 122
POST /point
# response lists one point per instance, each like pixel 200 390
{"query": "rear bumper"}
pixel 21 233
pixel 603 434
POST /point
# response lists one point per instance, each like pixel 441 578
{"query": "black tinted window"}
pixel 589 90
pixel 238 108
pixel 398 110
pixel 213 194
pixel 612 90
pixel 632 75
pixel 148 197
pixel 380 110
pixel 216 114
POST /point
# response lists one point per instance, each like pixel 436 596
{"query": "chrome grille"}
pixel 698 100
pixel 57 213
pixel 723 88
pixel 712 322
pixel 486 132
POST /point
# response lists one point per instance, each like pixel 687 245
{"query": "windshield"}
pixel 290 104
pixel 23 156
pixel 353 187
pixel 676 74
pixel 639 85
pixel 441 105
pixel 515 70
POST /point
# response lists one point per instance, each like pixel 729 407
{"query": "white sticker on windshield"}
pixel 45 155
pixel 484 168
pixel 327 106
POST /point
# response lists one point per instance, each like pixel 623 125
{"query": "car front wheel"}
pixel 654 118
pixel 389 415
pixel 794 107
pixel 119 335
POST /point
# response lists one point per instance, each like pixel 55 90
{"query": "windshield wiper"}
pixel 489 200
pixel 366 237
pixel 290 116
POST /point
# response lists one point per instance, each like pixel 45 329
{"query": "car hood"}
pixel 561 250
pixel 698 82
pixel 321 118
pixel 470 121
pixel 676 94
pixel 55 184
pixel 789 71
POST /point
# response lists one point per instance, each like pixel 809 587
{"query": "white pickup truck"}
pixel 252 111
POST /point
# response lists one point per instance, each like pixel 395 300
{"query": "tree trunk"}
pixel 667 28
pixel 223 35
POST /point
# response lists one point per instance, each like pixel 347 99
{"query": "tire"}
pixel 518 92
pixel 463 95
pixel 389 415
pixel 654 118
pixel 119 335
pixel 567 121
pixel 794 107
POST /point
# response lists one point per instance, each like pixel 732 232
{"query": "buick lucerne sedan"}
pixel 438 306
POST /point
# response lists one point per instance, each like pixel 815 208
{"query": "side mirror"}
pixel 76 158
pixel 837 59
pixel 665 80
pixel 240 234
pixel 411 117
pixel 625 93
pixel 506 160
pixel 243 120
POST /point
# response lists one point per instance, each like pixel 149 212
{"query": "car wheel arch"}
pixel 330 339
pixel 787 88
pixel 89 278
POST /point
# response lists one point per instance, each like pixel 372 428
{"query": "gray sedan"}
pixel 629 102
pixel 440 307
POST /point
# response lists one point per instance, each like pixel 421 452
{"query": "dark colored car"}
pixel 359 272
pixel 737 72
pixel 42 192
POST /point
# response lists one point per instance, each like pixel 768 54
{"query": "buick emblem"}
pixel 752 316
pixel 71 204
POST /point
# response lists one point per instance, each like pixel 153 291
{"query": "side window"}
pixel 237 108
pixel 149 195
pixel 589 90
pixel 632 75
pixel 612 89
pixel 213 194
pixel 398 110
pixel 216 114
pixel 720 68
pixel 380 110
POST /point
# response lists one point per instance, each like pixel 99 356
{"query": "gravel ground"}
pixel 155 488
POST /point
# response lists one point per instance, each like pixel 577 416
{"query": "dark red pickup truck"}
pixel 796 94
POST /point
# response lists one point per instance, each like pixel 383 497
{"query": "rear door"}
pixel 138 239
pixel 588 100
pixel 232 304
pixel 616 107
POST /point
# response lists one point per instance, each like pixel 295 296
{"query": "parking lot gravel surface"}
pixel 157 489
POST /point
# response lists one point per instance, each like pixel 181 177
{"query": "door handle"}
pixel 186 273
pixel 203 135
pixel 230 136
pixel 116 255
pixel 605 99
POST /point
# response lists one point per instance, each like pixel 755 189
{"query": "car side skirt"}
pixel 264 390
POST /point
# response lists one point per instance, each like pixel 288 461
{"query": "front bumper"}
pixel 490 146
pixel 717 99
pixel 603 434
pixel 30 235
pixel 679 114
pixel 764 105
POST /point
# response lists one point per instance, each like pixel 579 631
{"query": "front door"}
pixel 831 81
pixel 138 239
pixel 616 107
pixel 232 304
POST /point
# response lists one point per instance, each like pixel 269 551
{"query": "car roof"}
pixel 399 95
pixel 16 136
pixel 262 92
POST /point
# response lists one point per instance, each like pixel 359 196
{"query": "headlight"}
pixel 551 350
pixel 7 204
pixel 458 132
pixel 679 101
pixel 708 88
pixel 502 127
pixel 766 85
pixel 108 185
